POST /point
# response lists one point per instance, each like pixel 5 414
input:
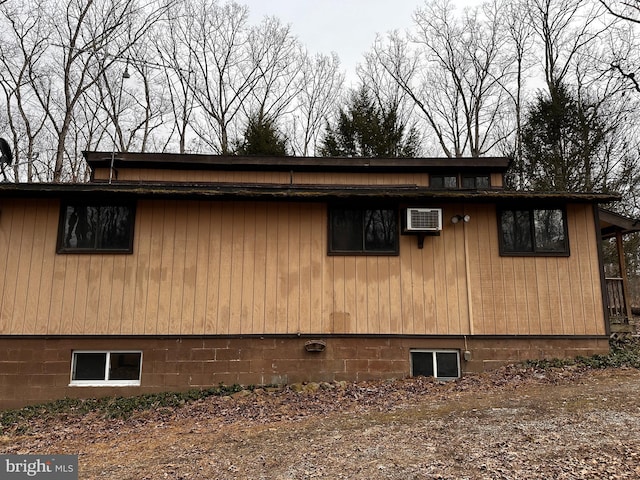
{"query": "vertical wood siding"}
pixel 299 178
pixel 535 295
pixel 255 267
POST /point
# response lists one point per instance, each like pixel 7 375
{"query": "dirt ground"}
pixel 569 423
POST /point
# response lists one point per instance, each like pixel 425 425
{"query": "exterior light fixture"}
pixel 315 346
pixel 456 218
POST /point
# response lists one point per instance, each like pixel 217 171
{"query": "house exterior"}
pixel 172 272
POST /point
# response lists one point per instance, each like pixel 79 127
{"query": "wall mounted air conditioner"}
pixel 423 220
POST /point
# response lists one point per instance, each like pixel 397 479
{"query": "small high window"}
pixel 371 231
pixel 476 182
pixel 443 181
pixel 96 227
pixel 106 368
pixel 533 232
pixel 442 364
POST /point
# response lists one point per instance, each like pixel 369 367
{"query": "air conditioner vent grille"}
pixel 424 219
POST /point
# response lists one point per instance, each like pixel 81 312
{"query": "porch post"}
pixel 623 274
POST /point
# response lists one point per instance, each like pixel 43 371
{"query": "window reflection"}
pixel 535 231
pixel 363 230
pixel 96 227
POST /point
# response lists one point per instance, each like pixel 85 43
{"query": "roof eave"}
pixel 174 161
pixel 293 192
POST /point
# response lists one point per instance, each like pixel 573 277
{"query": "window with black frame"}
pixel 475 181
pixel 96 227
pixel 371 231
pixel 533 231
pixel 443 181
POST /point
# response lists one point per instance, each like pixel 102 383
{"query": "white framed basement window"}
pixel 441 364
pixel 106 368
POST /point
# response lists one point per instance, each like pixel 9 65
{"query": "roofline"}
pixel 251 191
pixel 618 223
pixel 176 161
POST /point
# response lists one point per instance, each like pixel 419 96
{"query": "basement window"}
pixel 110 368
pixel 441 364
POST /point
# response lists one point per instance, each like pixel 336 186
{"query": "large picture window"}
pixel 363 230
pixel 533 232
pixel 106 368
pixel 92 227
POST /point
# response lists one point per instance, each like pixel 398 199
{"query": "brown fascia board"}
pixel 400 193
pixel 173 161
pixel 612 222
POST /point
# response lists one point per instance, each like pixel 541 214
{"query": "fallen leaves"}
pixel 565 423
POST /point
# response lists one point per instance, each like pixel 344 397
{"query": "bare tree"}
pixel 279 61
pixel 580 48
pixel 565 28
pixel 321 86
pixel 234 70
pixel 86 37
pixel 179 70
pixel 225 70
pixel 131 95
pixel 19 52
pixel 388 94
pixel 403 65
pixel 520 46
pixel 453 69
pixel 628 10
pixel 623 9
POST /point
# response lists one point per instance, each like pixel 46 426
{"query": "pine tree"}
pixel 261 137
pixel 365 130
pixel 561 141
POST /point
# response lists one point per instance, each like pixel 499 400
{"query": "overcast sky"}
pixel 347 27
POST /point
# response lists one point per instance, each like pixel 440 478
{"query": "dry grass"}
pixel 519 423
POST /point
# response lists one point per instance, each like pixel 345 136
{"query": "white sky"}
pixel 347 27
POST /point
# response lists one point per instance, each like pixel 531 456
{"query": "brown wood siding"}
pixel 296 178
pixel 535 295
pixel 496 180
pixel 255 267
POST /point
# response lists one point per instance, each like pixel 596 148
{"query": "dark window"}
pixel 443 181
pixel 124 366
pixel 533 232
pixel 362 230
pixel 106 367
pixel 91 227
pixel 435 363
pixel 89 366
pixel 475 181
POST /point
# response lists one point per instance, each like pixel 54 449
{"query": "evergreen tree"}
pixel 562 139
pixel 365 130
pixel 261 137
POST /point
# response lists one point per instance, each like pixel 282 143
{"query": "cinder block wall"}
pixel 38 369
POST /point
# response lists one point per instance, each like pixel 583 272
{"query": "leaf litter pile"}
pixel 519 422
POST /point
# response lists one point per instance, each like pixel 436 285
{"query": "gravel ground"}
pixel 517 423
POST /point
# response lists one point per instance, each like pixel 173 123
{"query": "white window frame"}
pixel 106 382
pixel 433 353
